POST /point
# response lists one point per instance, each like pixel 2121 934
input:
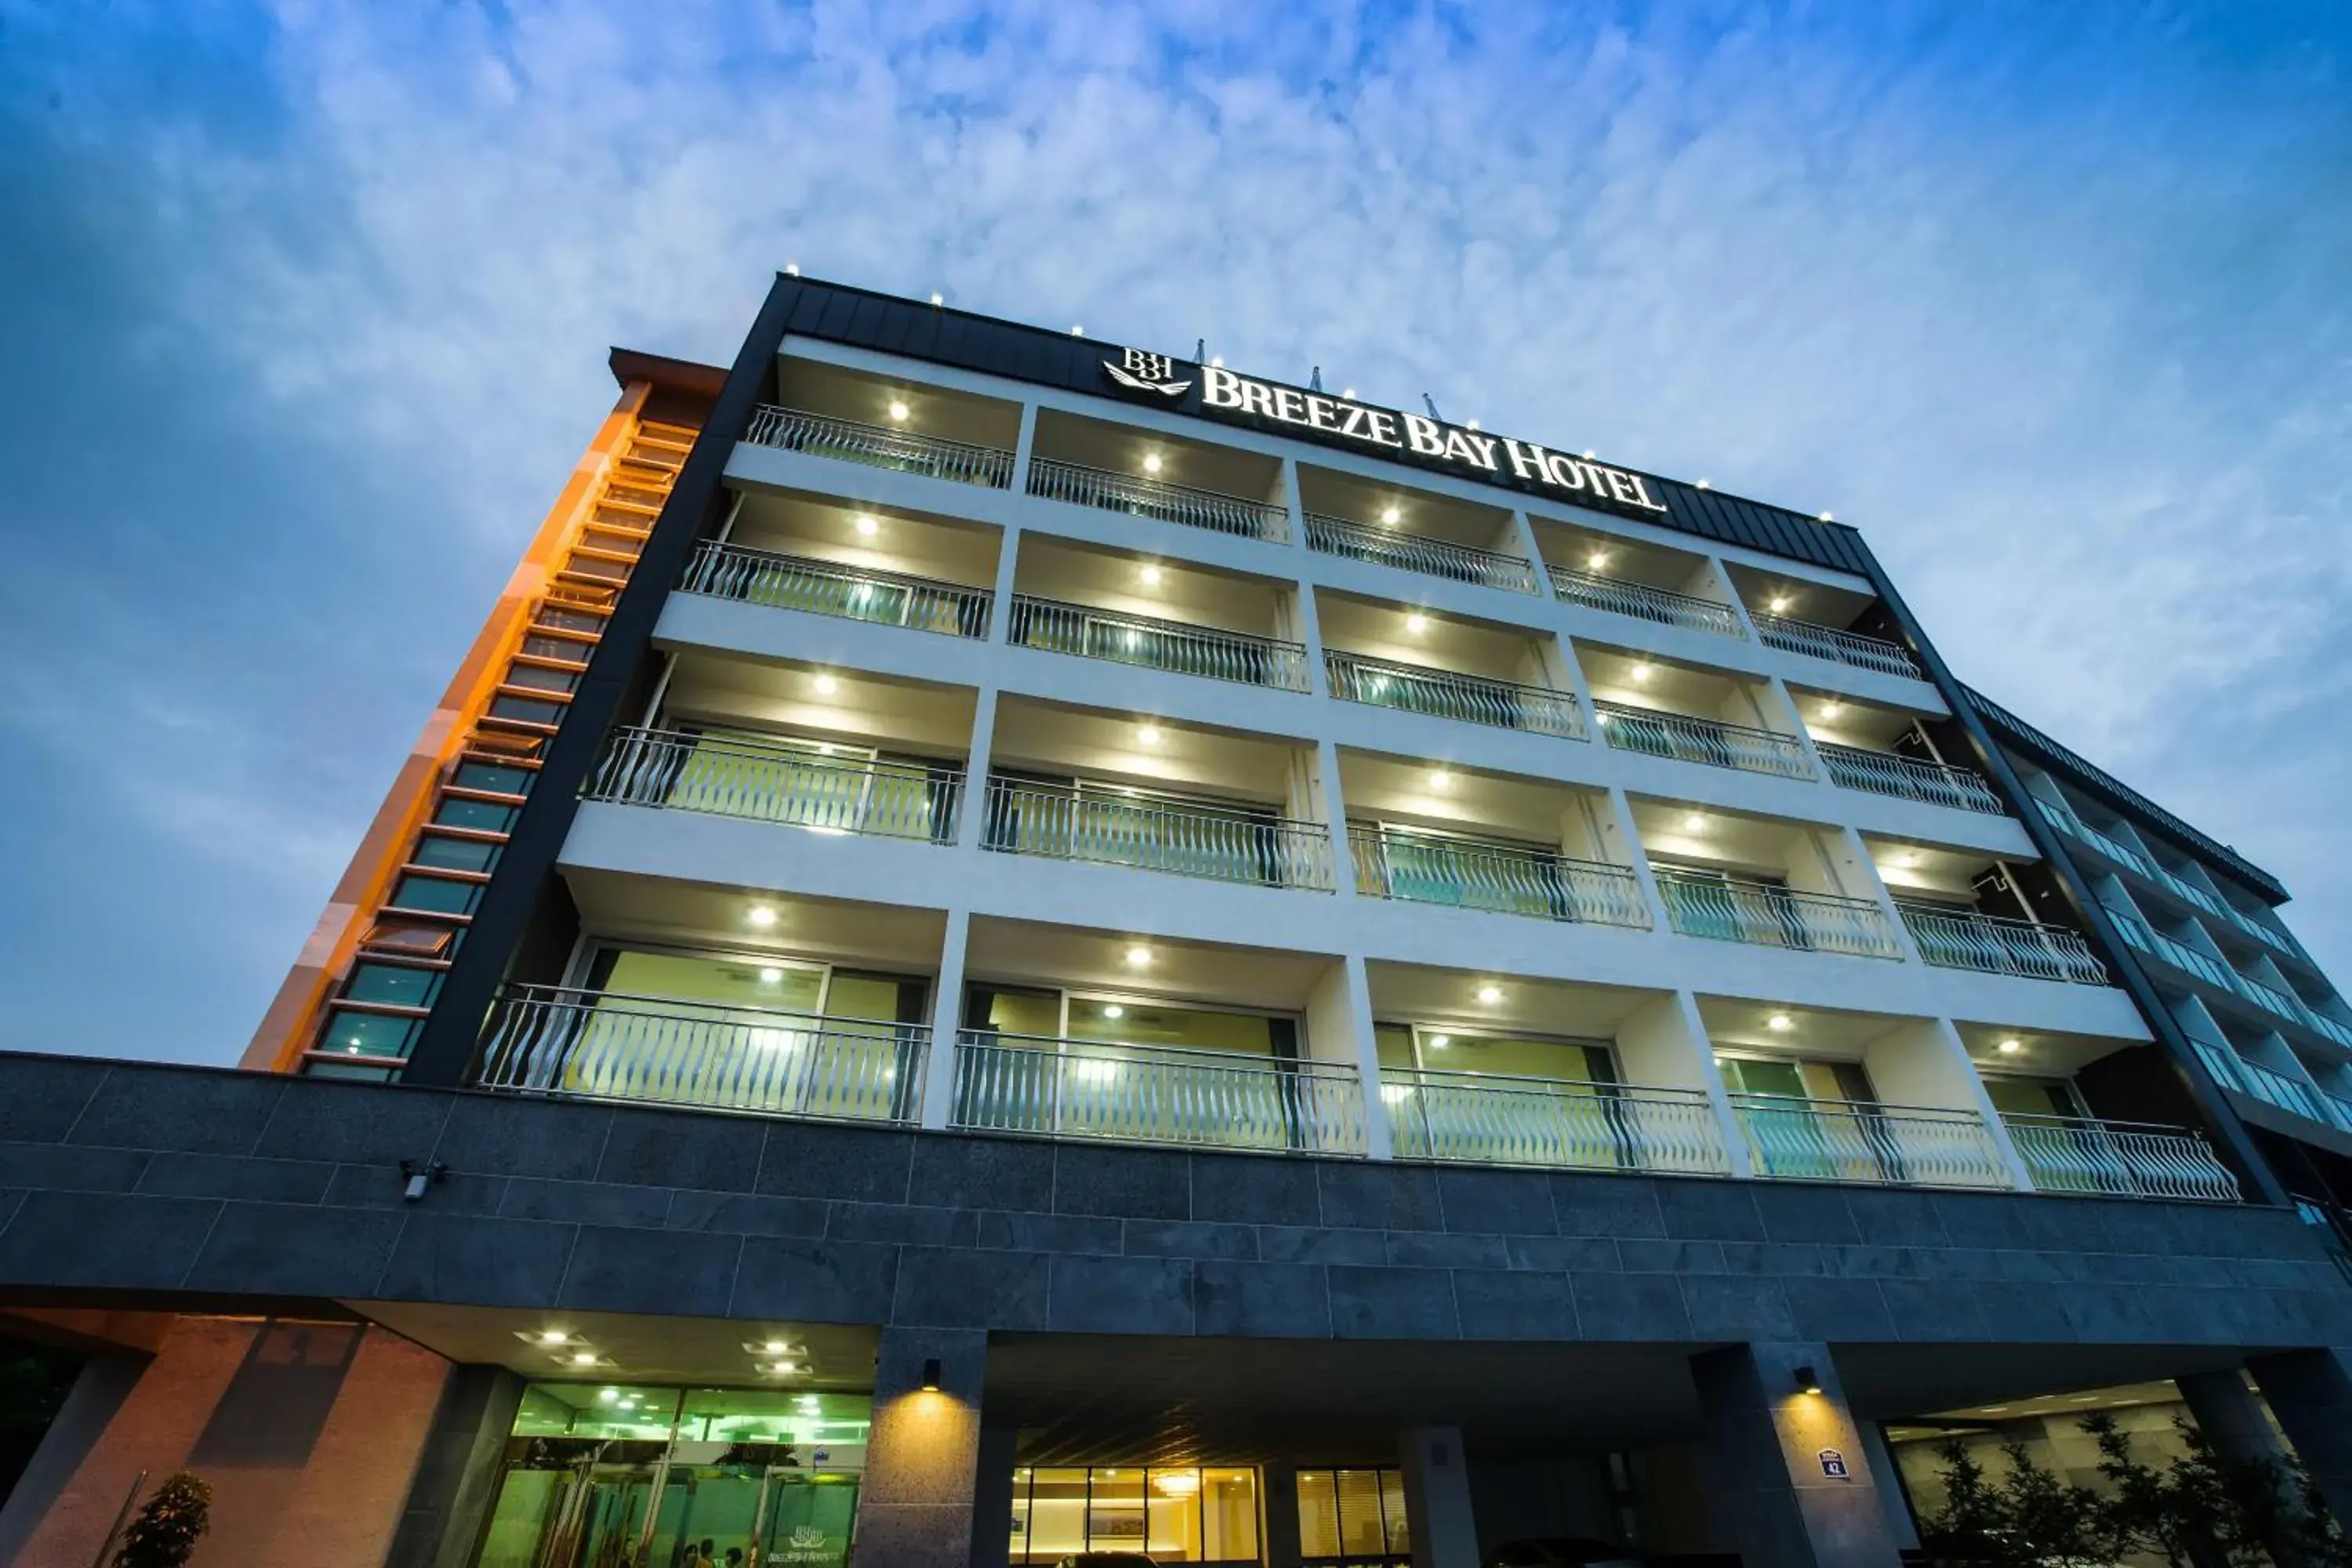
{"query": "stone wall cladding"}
pixel 136 1177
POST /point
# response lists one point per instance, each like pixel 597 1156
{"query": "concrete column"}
pixel 1890 1495
pixel 1663 1043
pixel 2310 1391
pixel 2231 1415
pixel 1023 447
pixel 458 1473
pixel 1008 569
pixel 917 1508
pixel 975 768
pixel 1278 1526
pixel 1927 1063
pixel 991 1496
pixel 946 1020
pixel 1437 1498
pixel 1791 1477
pixel 1530 546
pixel 1339 1029
pixel 106 1381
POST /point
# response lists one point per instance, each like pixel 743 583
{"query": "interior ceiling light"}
pixel 1416 622
pixel 776 1347
pixel 1694 823
pixel 771 977
pixel 898 408
pixel 761 915
pixel 1148 733
pixel 1490 994
pixel 552 1337
pixel 1152 462
pixel 1779 1023
pixel 1833 708
pixel 1439 1042
pixel 1597 560
pixel 585 1358
pixel 607 1396
pixel 868 528
pixel 1150 575
pixel 1440 779
pixel 1640 674
pixel 1113 1010
pixel 1909 858
pixel 826 686
pixel 1139 957
pixel 1778 604
pixel 1390 516
pixel 2011 1045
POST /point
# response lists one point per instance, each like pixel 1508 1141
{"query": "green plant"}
pixel 2030 1519
pixel 167 1528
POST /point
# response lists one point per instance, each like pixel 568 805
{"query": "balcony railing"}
pixel 2268 1084
pixel 2120 1159
pixel 2214 971
pixel 1989 944
pixel 799 789
pixel 1225 844
pixel 1414 552
pixel 1851 1140
pixel 1656 733
pixel 880 447
pixel 1153 1094
pixel 1663 605
pixel 1441 693
pixel 824 588
pixel 592 1045
pixel 1074 482
pixel 1484 1118
pixel 1474 874
pixel 1840 648
pixel 1731 909
pixel 1908 778
pixel 1059 627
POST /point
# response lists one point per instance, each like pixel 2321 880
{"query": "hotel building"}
pixel 1009 945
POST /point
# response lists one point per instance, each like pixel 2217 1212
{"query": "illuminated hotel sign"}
pixel 1342 420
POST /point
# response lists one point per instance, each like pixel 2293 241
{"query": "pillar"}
pixel 2310 1391
pixel 1789 1472
pixel 991 1496
pixel 1437 1498
pixel 2231 1416
pixel 1278 1534
pixel 917 1508
pixel 458 1473
pixel 106 1381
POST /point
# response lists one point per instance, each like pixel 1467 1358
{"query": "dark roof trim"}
pixel 2144 812
pixel 684 374
pixel 885 324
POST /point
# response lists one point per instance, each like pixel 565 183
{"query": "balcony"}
pixel 2121 854
pixel 2270 1085
pixel 1055 1087
pixel 822 588
pixel 1051 479
pixel 1766 914
pixel 2120 1159
pixel 1953 938
pixel 1792 636
pixel 796 788
pixel 1908 778
pixel 591 1045
pixel 1866 1141
pixel 880 447
pixel 1655 733
pixel 1618 597
pixel 1411 552
pixel 1056 626
pixel 2279 1003
pixel 1184 837
pixel 1442 694
pixel 1483 1118
pixel 1493 875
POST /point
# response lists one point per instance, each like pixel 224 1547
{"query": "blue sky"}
pixel 306 307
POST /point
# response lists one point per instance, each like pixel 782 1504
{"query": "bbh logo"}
pixel 1142 372
pixel 807 1535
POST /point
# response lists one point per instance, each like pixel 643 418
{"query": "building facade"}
pixel 1008 946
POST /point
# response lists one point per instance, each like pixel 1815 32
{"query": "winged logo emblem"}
pixel 1141 371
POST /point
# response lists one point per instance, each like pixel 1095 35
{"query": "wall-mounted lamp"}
pixel 1807 1382
pixel 931 1375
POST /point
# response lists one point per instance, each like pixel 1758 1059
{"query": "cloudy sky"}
pixel 305 311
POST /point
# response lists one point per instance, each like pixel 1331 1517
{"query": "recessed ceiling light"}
pixel 1833 708
pixel 1778 604
pixel 1908 858
pixel 898 408
pixel 826 686
pixel 1490 994
pixel 1640 674
pixel 868 528
pixel 630 1402
pixel 776 1347
pixel 1416 622
pixel 607 1397
pixel 2011 1045
pixel 771 977
pixel 1148 733
pixel 1150 575
pixel 1440 779
pixel 1441 1041
pixel 585 1358
pixel 1391 516
pixel 1694 823
pixel 1597 560
pixel 1113 1010
pixel 761 915
pixel 1779 1023
pixel 1139 957
pixel 552 1337
pixel 1150 462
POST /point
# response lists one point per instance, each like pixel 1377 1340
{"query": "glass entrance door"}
pixel 806 1520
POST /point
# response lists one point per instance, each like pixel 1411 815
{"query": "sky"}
pixel 305 306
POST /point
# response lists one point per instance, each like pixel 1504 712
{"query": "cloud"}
pixel 2048 303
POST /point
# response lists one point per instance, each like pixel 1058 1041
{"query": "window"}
pixel 1443 1047
pixel 2033 1097
pixel 394 983
pixel 491 778
pixel 1171 1514
pixel 526 710
pixel 481 815
pixel 1352 1517
pixel 436 895
pixel 351 1034
pixel 453 854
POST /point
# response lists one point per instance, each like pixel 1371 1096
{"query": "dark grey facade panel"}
pixel 2142 811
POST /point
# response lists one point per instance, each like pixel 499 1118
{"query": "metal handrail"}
pixel 826 588
pixel 1863 1140
pixel 2214 971
pixel 1908 778
pixel 1790 636
pixel 1226 844
pixel 1477 874
pixel 2120 1159
pixel 1419 552
pixel 1992 945
pixel 1488 1118
pixel 1619 597
pixel 608 1045
pixel 878 445
pixel 1056 627
pixel 825 794
pixel 1057 1088
pixel 1681 737
pixel 1053 479
pixel 1765 914
pixel 1441 693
